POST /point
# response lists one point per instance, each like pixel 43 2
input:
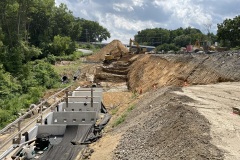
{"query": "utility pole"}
pixel 86 35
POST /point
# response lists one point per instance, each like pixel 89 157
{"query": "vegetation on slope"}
pixel 33 35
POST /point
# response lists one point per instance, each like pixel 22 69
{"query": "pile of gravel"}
pixel 162 127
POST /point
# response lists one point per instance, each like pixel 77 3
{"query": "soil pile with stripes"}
pixel 151 71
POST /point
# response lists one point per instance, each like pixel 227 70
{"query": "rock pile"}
pixel 162 127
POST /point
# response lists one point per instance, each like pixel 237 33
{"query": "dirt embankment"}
pixel 165 70
pixel 115 48
pixel 166 123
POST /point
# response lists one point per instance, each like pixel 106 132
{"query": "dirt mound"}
pixel 115 47
pixel 150 71
pixel 162 127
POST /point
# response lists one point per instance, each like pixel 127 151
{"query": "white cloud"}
pixel 122 6
pixel 124 18
pixel 185 10
pixel 118 25
pixel 138 3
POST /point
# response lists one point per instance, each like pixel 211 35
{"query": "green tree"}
pixel 167 47
pixel 8 84
pixel 182 40
pixel 44 74
pixel 61 21
pixel 155 37
pixel 62 46
pixel 93 32
pixel 229 32
pixel 39 17
pixel 8 21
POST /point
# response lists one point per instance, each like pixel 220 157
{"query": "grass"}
pixel 134 95
pixel 131 108
pixel 71 68
pixel 122 118
pixel 114 111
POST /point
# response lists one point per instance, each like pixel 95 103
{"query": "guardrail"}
pixel 39 106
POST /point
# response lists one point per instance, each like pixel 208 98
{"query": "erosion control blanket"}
pixel 67 150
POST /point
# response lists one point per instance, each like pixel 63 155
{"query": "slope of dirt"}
pixel 112 47
pixel 162 127
pixel 116 103
pixel 165 125
pixel 215 102
pixel 166 70
pixel 114 72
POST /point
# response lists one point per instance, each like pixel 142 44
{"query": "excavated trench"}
pixel 163 126
pixel 113 76
pixel 148 72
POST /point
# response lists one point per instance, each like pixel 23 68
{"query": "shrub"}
pixel 51 59
pixel 62 46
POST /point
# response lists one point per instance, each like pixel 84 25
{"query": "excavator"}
pixel 138 49
pixel 111 56
pixel 203 46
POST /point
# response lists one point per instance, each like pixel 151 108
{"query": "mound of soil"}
pixel 150 71
pixel 115 47
pixel 162 127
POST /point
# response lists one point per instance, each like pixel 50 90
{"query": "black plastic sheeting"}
pixel 75 139
pixel 95 133
pixel 103 108
pixel 82 133
pixel 64 150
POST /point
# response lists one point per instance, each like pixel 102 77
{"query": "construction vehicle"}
pixel 114 55
pixel 206 47
pixel 109 58
pixel 197 47
pixel 138 49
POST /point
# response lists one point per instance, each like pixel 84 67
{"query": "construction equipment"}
pixel 207 47
pixel 114 55
pixel 109 58
pixel 136 49
pixel 197 47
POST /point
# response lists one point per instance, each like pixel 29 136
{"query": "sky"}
pixel 124 18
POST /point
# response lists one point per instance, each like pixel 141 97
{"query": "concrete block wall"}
pixel 85 99
pixel 87 94
pixel 74 118
pixel 48 118
pixel 52 129
pixel 89 89
pixel 79 106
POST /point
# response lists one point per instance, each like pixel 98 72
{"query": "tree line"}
pixel 32 34
pixel 228 35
